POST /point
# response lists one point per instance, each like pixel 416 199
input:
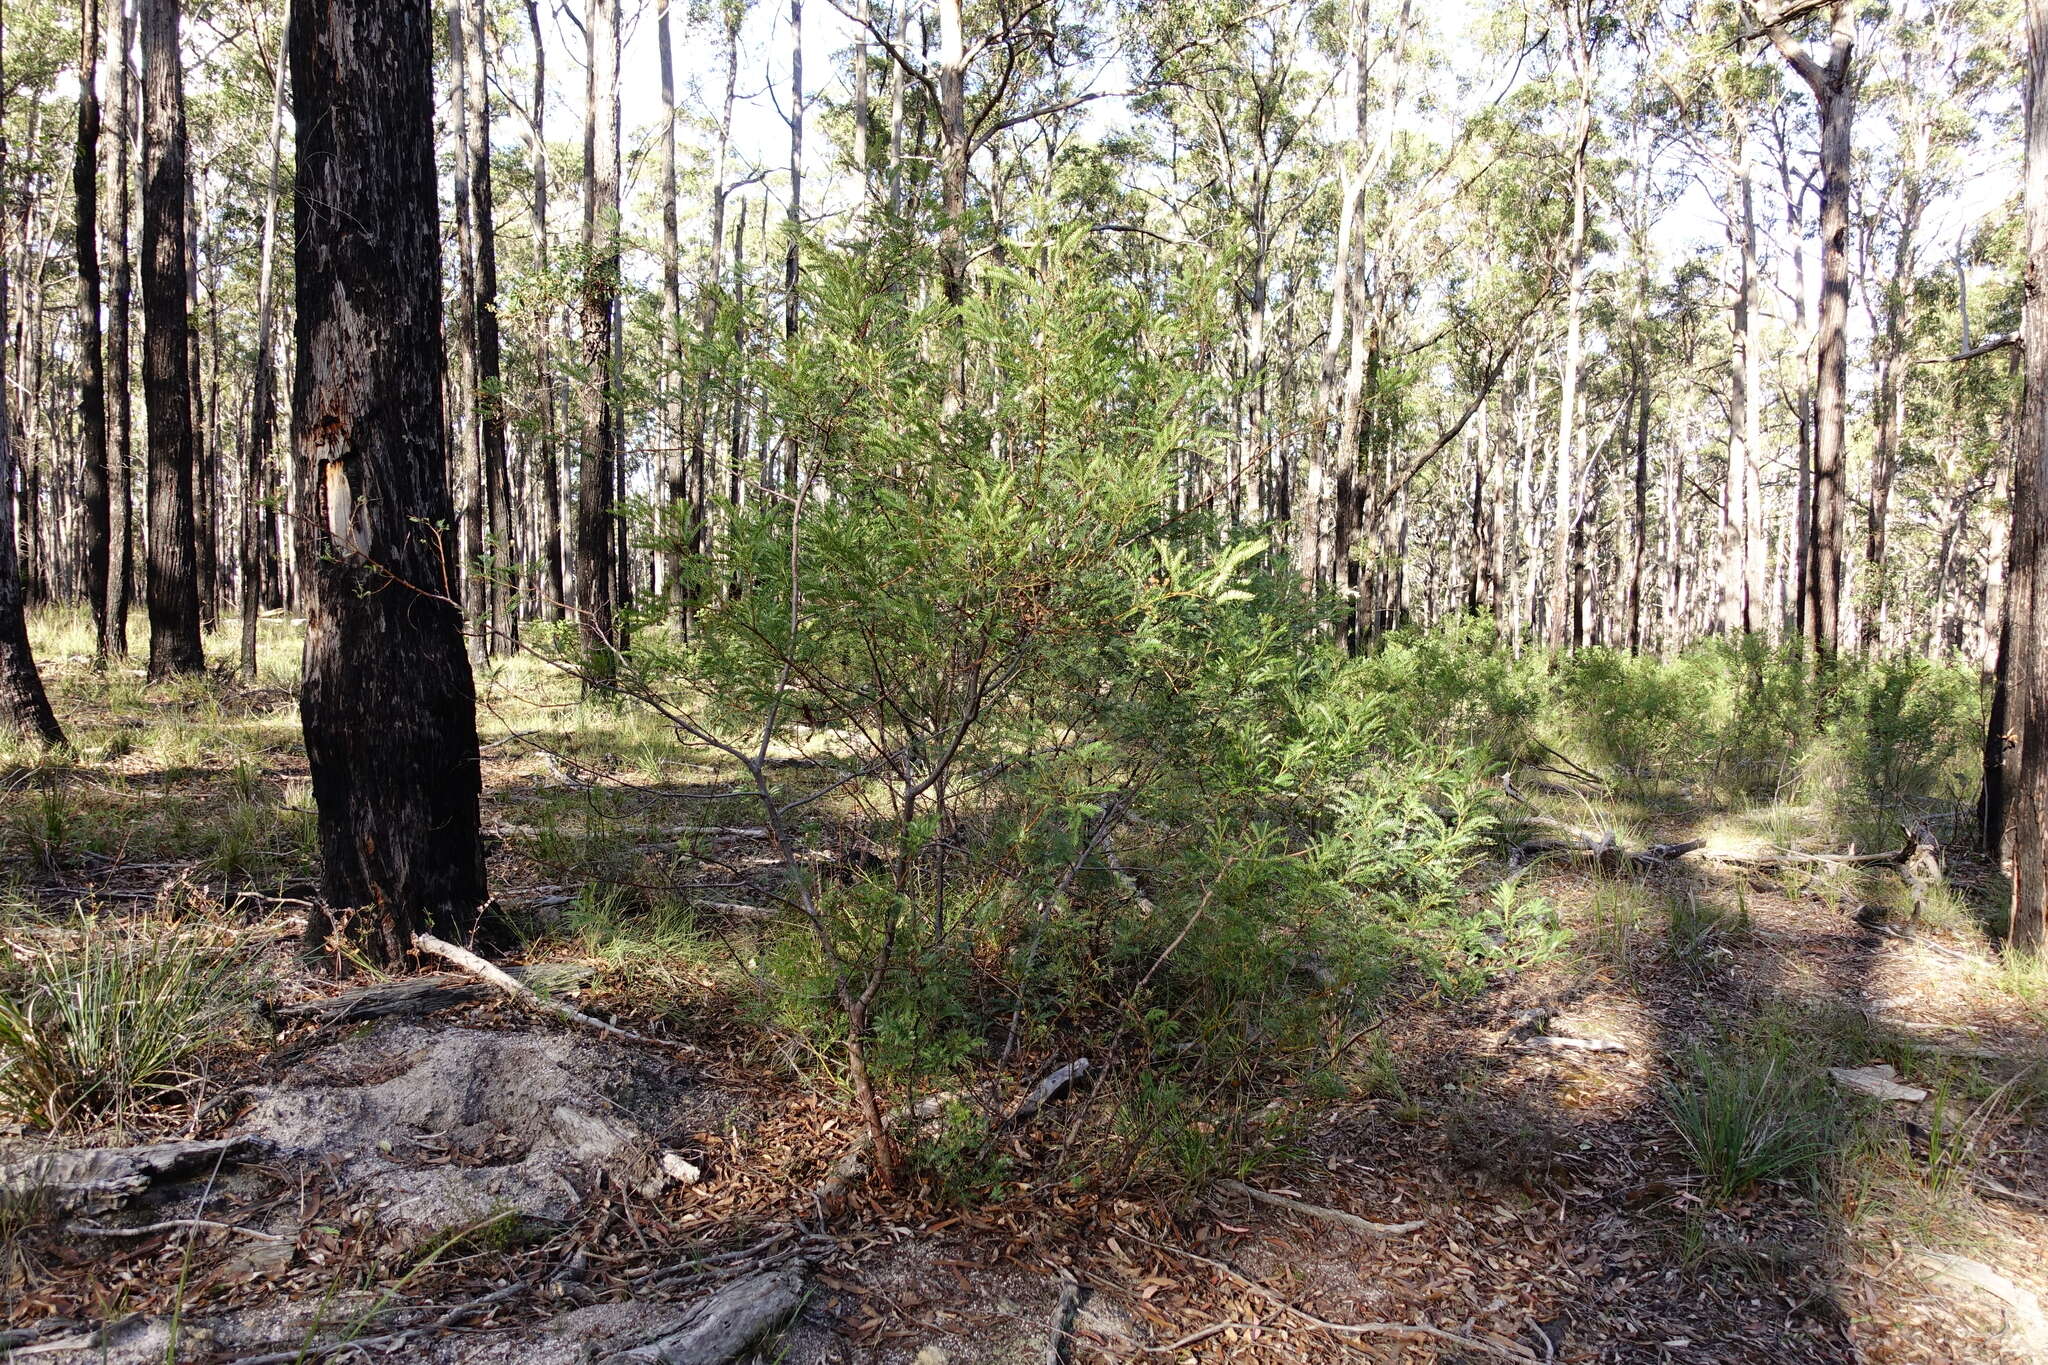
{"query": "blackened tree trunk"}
pixel 92 389
pixel 2023 663
pixel 24 706
pixel 121 460
pixel 388 704
pixel 596 539
pixel 173 563
pixel 490 404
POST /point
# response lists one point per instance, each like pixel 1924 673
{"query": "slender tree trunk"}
pixel 173 563
pixel 92 389
pixel 1834 98
pixel 121 498
pixel 596 541
pixel 489 400
pixel 22 700
pixel 550 459
pixel 676 469
pixel 263 396
pixel 792 260
pixel 388 704
pixel 203 537
pixel 1557 614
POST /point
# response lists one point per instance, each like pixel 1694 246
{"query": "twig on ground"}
pixel 1326 1214
pixel 526 995
pixel 170 1225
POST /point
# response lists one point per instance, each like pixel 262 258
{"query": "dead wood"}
pixel 1327 1215
pixel 526 995
pixel 725 1325
pixel 171 1225
pixel 422 995
pixel 96 1179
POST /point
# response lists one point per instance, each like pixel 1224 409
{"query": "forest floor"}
pixel 478 1182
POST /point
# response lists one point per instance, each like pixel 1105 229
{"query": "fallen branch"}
pixel 170 1225
pixel 526 995
pixel 1328 1215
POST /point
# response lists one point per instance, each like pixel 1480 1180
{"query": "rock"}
pixel 1878 1082
pixel 930 1355
pixel 95 1179
pixel 681 1169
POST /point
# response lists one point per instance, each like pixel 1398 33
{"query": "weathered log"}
pixel 724 1326
pixel 96 1179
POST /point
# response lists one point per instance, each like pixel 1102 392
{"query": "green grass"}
pixel 92 1027
pixel 1745 1118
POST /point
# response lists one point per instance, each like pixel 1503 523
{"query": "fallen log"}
pixel 97 1179
pixel 726 1325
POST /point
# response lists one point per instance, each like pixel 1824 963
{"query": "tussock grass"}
pixel 110 1020
pixel 1745 1119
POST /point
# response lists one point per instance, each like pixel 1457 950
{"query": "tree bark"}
pixel 23 702
pixel 490 403
pixel 595 531
pixel 550 459
pixel 120 500
pixel 92 388
pixel 2024 662
pixel 263 394
pixel 388 704
pixel 676 469
pixel 1834 98
pixel 1557 616
pixel 173 561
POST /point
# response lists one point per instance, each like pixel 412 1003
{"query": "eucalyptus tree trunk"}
pixel 489 403
pixel 92 388
pixel 1894 322
pixel 263 393
pixel 953 153
pixel 23 703
pixel 1834 97
pixel 120 459
pixel 1739 550
pixel 698 490
pixel 543 360
pixel 388 704
pixel 676 470
pixel 2020 769
pixel 1557 615
pixel 173 561
pixel 203 538
pixel 596 541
